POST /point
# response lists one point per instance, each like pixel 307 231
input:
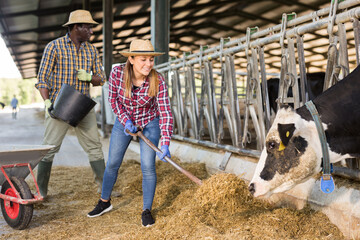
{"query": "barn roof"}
pixel 28 25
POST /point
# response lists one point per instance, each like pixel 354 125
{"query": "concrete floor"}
pixel 28 129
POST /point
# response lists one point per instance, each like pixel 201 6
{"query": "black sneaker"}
pixel 100 208
pixel 147 219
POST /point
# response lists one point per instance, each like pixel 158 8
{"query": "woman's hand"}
pixel 130 127
pixel 165 152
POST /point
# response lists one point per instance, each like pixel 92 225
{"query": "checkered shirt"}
pixel 60 62
pixel 141 109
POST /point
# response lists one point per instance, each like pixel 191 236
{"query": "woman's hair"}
pixel 153 79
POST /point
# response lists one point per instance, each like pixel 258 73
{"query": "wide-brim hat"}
pixel 80 16
pixel 139 47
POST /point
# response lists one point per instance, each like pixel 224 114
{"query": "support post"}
pixel 86 4
pixel 107 54
pixel 108 35
pixel 160 28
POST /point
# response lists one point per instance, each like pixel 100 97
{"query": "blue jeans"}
pixel 119 142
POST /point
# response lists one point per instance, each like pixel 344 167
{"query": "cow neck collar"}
pixel 327 183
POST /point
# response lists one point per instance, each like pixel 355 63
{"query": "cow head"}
pixel 289 156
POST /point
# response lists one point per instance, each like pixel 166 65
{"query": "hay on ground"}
pixel 221 208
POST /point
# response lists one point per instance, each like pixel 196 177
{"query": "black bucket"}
pixel 71 106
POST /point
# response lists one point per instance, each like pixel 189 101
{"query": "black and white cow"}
pixel 315 85
pixel 293 152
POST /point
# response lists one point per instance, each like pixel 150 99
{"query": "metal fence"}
pixel 219 95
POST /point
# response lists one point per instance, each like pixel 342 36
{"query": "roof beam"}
pixel 297 3
pixel 95 7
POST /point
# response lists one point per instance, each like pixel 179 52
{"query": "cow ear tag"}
pixel 285 133
pixel 281 146
pixel 327 183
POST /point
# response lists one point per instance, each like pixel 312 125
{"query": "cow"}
pixel 292 152
pixel 315 84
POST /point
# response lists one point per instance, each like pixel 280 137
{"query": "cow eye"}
pixel 271 145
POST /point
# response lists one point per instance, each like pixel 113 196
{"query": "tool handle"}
pixel 156 149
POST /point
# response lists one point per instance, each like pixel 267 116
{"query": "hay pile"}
pixel 221 208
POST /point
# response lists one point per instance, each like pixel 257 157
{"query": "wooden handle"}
pixel 156 149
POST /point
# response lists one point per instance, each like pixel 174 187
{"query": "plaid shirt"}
pixel 60 62
pixel 141 109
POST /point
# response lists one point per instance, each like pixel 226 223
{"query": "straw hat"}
pixel 139 47
pixel 80 16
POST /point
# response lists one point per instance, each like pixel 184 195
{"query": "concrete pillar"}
pixel 160 28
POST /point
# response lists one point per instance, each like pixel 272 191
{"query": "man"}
pixel 14 103
pixel 70 60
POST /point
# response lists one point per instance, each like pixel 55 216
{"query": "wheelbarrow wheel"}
pixel 18 216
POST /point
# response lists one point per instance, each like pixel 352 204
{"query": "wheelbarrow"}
pixel 16 199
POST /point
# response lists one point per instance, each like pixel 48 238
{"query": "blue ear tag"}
pixel 327 183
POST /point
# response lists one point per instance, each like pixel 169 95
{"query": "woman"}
pixel 138 96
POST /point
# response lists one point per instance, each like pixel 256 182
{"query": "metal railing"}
pixel 220 103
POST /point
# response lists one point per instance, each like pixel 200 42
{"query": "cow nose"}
pixel 252 188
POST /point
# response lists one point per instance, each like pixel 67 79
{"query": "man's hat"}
pixel 80 16
pixel 139 47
